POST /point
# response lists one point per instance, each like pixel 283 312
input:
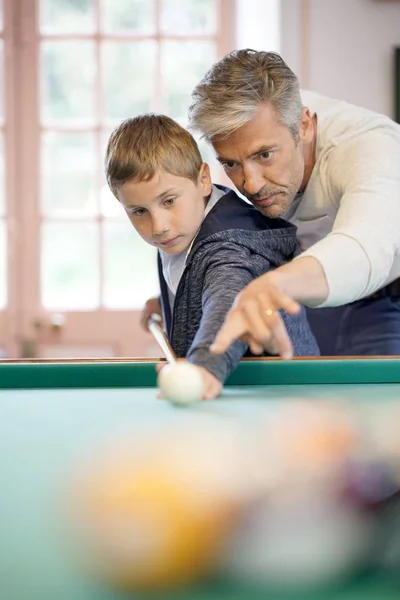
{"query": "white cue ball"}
pixel 181 383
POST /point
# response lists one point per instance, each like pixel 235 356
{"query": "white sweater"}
pixel 349 215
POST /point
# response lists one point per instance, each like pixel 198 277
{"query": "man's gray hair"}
pixel 232 90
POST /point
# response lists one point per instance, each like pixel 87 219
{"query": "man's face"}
pixel 166 211
pixel 264 161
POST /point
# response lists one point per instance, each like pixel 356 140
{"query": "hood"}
pixel 234 220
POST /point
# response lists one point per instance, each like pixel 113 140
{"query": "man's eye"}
pixel 228 164
pixel 265 155
pixel 139 212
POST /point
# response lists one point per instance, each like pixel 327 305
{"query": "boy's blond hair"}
pixel 142 145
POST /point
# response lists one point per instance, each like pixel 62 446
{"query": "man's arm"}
pixel 302 280
pixel 254 317
pixel 357 256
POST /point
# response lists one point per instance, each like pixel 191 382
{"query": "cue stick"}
pixel 154 325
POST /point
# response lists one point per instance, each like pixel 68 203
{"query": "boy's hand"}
pixel 152 306
pixel 212 385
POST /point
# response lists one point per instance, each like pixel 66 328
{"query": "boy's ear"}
pixel 205 179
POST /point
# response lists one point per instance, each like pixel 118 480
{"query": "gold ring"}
pixel 269 312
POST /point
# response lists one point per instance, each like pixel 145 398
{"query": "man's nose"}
pixel 252 180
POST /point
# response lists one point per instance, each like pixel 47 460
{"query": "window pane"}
pixel 109 205
pixel 68 173
pixel 130 267
pixel 191 16
pixel 135 16
pixel 67 16
pixel 69 266
pixel 68 80
pixel 3 264
pixel 1 81
pixel 2 171
pixel 128 76
pixel 183 64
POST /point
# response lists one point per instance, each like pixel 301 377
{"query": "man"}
pixel 332 169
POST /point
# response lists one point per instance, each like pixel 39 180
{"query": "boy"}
pixel 211 243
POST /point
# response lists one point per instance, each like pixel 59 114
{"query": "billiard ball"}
pixel 151 513
pixel 299 541
pixel 181 383
pixel 301 532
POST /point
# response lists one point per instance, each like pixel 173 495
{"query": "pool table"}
pixel 48 409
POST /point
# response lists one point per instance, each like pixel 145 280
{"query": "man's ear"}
pixel 205 179
pixel 306 127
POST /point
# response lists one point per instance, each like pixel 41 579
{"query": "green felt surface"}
pixel 43 432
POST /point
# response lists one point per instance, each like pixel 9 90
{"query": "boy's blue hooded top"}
pixel 235 245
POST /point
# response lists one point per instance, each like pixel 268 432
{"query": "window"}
pixel 99 63
pixel 3 208
pixel 74 70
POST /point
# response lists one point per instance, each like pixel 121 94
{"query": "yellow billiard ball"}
pixel 149 520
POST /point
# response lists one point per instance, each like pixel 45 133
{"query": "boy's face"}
pixel 167 210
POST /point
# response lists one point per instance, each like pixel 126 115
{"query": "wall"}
pixel 343 48
pixel 258 24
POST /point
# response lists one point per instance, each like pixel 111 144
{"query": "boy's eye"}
pixel 169 201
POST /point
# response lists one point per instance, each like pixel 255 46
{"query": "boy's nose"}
pixel 159 226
